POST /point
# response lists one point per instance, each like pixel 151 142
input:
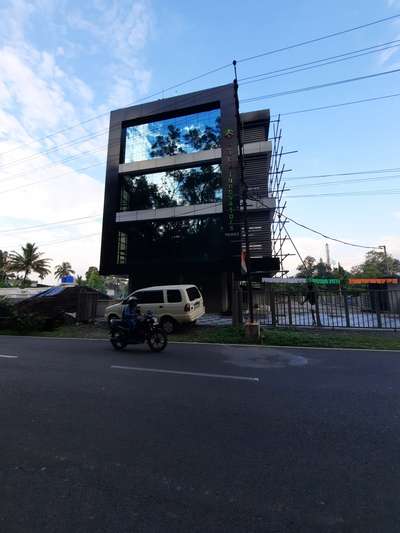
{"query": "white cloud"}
pixel 41 91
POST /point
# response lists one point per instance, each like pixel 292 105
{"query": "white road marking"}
pixel 9 356
pixel 182 373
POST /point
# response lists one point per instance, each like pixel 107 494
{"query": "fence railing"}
pixel 331 308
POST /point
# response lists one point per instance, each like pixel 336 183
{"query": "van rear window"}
pixel 193 293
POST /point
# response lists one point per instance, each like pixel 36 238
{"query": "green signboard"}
pixel 324 281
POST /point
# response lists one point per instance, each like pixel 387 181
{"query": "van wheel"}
pixel 112 317
pixel 168 324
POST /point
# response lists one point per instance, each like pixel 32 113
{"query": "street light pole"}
pixel 244 198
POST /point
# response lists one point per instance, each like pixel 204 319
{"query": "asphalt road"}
pixel 309 442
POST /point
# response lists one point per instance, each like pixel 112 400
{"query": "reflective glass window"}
pixel 189 186
pixel 200 239
pixel 177 135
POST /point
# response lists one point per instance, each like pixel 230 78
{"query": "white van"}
pixel 171 304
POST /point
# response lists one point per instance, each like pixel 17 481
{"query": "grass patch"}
pixel 289 337
pixel 381 340
pixel 333 339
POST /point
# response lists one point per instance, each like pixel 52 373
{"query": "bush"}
pixel 6 307
pixel 25 322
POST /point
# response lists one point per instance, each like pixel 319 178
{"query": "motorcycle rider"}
pixel 130 313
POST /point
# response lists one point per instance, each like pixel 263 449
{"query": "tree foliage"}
pixel 376 264
pixel 94 280
pixel 64 269
pixel 4 265
pixel 28 261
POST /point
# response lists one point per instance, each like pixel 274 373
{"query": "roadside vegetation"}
pixel 385 340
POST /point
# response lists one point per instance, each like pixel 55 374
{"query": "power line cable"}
pixel 52 178
pixel 53 149
pixel 212 71
pixel 341 104
pixel 317 63
pixel 95 117
pixel 318 39
pixel 52 164
pixel 53 243
pixel 354 173
pixel 45 225
pixel 345 182
pixel 378 192
pixel 280 214
pixel 321 86
pixel 161 105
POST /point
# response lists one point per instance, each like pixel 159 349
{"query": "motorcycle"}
pixel 147 330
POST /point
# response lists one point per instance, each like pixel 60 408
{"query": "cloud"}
pixel 42 91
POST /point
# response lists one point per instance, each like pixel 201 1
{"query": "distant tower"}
pixel 328 256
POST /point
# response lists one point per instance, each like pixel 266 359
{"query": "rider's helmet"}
pixel 132 300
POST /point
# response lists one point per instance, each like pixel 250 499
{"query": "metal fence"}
pixel 333 307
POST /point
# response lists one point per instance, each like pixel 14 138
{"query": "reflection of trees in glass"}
pixel 138 193
pixel 192 140
pixel 191 186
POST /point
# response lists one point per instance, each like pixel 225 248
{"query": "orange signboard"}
pixel 375 281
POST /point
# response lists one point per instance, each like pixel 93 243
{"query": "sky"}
pixel 65 64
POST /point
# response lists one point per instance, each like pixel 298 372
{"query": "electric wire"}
pixel 280 214
pixel 354 173
pixel 317 39
pixel 345 182
pixel 321 86
pixel 341 104
pixel 48 224
pixel 212 71
pixel 316 64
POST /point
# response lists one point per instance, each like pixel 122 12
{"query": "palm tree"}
pixel 63 270
pixel 30 260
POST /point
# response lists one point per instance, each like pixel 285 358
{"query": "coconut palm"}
pixel 30 260
pixel 62 270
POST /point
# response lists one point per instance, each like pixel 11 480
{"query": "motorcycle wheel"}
pixel 118 340
pixel 157 340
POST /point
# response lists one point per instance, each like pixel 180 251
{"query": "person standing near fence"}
pixel 311 297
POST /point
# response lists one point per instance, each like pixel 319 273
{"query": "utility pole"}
pixel 328 255
pixel 385 258
pixel 244 197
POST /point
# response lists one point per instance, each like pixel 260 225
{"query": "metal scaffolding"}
pixel 276 190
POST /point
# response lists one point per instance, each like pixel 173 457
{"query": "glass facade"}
pixel 178 135
pixel 189 186
pixel 192 240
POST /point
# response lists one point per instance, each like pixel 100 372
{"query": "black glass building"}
pixel 172 196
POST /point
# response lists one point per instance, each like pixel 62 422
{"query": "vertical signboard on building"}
pixel 231 181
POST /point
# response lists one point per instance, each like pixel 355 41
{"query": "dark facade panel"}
pixel 220 98
pixel 171 154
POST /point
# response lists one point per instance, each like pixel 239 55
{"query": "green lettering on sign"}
pixel 324 281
